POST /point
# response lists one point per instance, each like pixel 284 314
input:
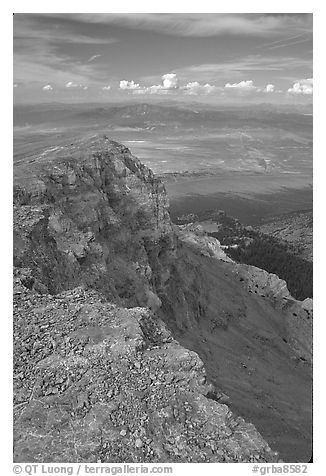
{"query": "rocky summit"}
pixel 136 340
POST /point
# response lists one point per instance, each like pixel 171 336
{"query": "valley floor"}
pixel 250 209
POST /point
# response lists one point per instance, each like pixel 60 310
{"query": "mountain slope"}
pixel 90 215
pixel 244 344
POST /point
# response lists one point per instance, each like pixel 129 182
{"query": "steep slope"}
pixel 297 316
pixel 90 214
pixel 243 340
pixel 294 228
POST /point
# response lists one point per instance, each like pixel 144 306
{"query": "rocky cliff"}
pixel 106 294
pixel 84 214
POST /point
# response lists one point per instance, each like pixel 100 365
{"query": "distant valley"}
pixel 229 158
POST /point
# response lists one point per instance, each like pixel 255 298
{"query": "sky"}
pixel 207 57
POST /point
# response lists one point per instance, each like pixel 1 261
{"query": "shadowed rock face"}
pixel 90 215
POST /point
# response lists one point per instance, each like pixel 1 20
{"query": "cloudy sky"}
pixel 122 57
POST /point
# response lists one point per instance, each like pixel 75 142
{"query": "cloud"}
pixel 170 81
pixel 195 88
pixel 92 58
pixel 303 86
pixel 245 87
pixel 155 89
pixel 269 88
pixel 203 24
pixel 128 85
pixel 71 84
pixel 242 86
pixel 47 48
pixel 106 88
pixel 289 41
pixel 171 85
pixel 33 27
pixel 47 87
pixel 242 66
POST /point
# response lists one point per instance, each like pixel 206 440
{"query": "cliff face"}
pixel 84 214
pixel 91 216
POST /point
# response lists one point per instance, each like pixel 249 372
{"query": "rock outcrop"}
pixel 98 269
pixel 194 235
pixel 84 214
pixel 95 382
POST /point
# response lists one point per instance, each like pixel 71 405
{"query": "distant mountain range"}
pixel 139 114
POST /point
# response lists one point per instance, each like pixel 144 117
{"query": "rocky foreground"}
pixel 106 292
pixel 95 382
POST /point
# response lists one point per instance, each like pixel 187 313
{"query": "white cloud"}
pixel 206 24
pixel 92 58
pixel 106 88
pixel 303 86
pixel 170 81
pixel 194 88
pixel 243 86
pixel 47 87
pixel 128 85
pixel 170 85
pixel 208 88
pixel 70 84
pixel 269 88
